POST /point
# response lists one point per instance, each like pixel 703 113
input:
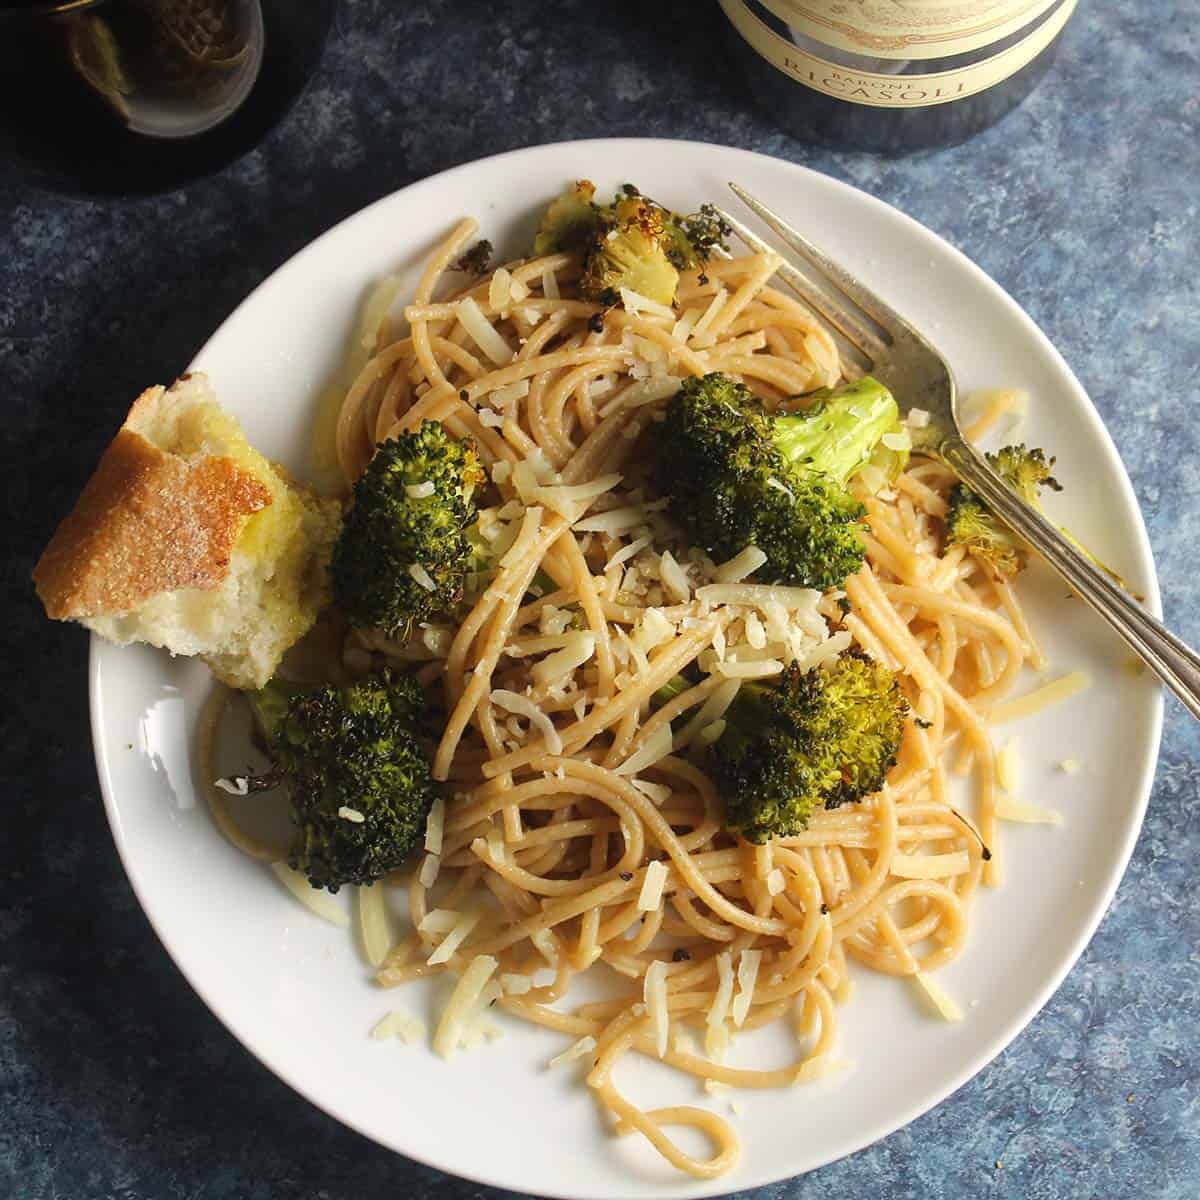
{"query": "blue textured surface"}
pixel 115 1081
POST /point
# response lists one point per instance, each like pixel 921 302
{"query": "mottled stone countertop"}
pixel 115 1082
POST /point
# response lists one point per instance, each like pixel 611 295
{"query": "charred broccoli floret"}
pixel 357 778
pixel 475 261
pixel 817 739
pixel 970 523
pixel 570 221
pixel 633 243
pixel 629 249
pixel 737 476
pixel 404 550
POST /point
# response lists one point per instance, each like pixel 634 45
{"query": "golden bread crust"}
pixel 147 522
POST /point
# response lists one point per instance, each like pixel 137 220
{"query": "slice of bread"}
pixel 187 538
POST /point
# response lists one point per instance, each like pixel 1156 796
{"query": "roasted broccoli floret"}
pixel 475 261
pixel 737 476
pixel 633 243
pixel 970 523
pixel 404 551
pixel 357 778
pixel 570 221
pixel 695 237
pixel 629 250
pixel 817 739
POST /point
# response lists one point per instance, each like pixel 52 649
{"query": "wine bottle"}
pixel 891 76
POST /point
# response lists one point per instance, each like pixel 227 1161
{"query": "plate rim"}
pixel 746 1177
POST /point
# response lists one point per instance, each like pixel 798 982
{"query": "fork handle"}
pixel 1172 660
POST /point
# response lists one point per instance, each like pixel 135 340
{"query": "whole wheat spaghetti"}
pixel 578 827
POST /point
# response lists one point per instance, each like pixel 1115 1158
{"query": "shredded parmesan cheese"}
pixel 577 649
pixel 930 866
pixel 748 670
pixel 947 1007
pixel 422 577
pixel 719 1009
pixel 747 977
pixel 658 745
pixel 434 826
pixel 655 995
pixel 758 594
pixel 439 920
pixel 462 1004
pixel 431 864
pixel 525 539
pixel 741 565
pixel 568 499
pixel 419 491
pixel 616 520
pixel 455 938
pixel 673 578
pixel 1009 808
pixel 346 813
pixel 820 1067
pixel 635 304
pixel 398 1025
pixel 627 552
pixel 316 900
pixel 544 943
pixel 658 793
pixel 514 702
pixel 775 882
pixel 500 398
pixel 482 332
pixel 372 924
pixel 500 290
pixel 1041 698
pixel 713 709
pixel 650 897
pixel 1008 766
pixel 576 1050
pixel 710 315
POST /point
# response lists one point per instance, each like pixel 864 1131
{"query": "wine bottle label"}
pixel 949 33
pixel 908 29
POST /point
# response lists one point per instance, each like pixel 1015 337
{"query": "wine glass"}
pixel 128 96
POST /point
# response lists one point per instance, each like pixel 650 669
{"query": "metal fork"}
pixel 920 378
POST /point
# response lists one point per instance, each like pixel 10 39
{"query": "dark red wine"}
pixel 880 75
pixel 136 96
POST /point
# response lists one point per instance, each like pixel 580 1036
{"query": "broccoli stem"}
pixel 838 435
pixel 270 705
pixel 675 686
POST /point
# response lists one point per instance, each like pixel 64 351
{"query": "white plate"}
pixel 293 988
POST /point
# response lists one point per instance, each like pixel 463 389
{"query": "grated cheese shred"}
pixel 946 1006
pixel 576 1050
pixel 316 900
pixel 655 880
pixel 462 1004
pixel 655 996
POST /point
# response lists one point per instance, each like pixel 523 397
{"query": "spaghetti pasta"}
pixel 576 830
